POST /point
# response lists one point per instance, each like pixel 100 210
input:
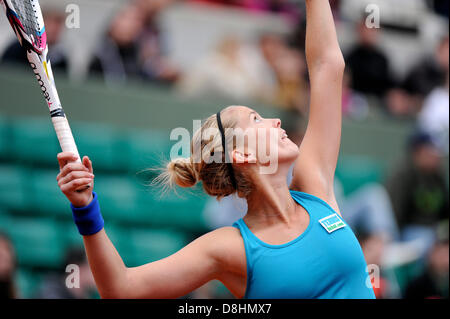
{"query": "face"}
pixel 127 26
pixel 271 47
pixel 368 36
pixel 266 140
pixel 6 259
pixel 427 158
pixel 442 54
pixel 439 259
pixel 54 23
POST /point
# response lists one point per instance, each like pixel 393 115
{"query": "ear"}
pixel 242 158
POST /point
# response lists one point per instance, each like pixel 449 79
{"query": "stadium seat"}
pixel 114 231
pixel 3 212
pixel 118 234
pixel 102 143
pixel 4 138
pixel 5 221
pixel 37 241
pixel 139 246
pixel 69 234
pixel 33 140
pixel 27 283
pixel 182 209
pixel 118 198
pixel 123 199
pixel 146 149
pixel 13 184
pixel 45 196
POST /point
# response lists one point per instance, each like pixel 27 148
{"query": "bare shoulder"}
pixel 227 247
pixel 223 240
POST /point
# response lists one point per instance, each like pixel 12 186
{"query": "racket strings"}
pixel 27 13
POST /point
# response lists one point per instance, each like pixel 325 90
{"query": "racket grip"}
pixel 65 136
pixel 66 140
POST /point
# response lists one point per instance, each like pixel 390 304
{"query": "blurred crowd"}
pixel 409 212
pixel 271 70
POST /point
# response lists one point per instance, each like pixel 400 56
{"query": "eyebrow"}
pixel 252 112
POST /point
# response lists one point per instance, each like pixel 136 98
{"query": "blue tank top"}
pixel 325 261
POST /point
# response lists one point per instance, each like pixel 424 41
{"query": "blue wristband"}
pixel 88 219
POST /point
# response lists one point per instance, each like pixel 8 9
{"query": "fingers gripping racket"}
pixel 26 20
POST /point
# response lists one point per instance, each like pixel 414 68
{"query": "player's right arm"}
pixel 171 277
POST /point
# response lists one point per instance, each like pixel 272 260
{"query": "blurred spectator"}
pixel 289 67
pixel 335 7
pixel 132 46
pixel 272 72
pixel 422 81
pixel 369 210
pixel 430 73
pixel 7 268
pixel 54 24
pixel 297 38
pixel 401 104
pixel 373 247
pixel 434 116
pixel 441 7
pixel 233 70
pixel 155 65
pixel 368 65
pixel 117 57
pixel 433 283
pixel 54 286
pixel 418 191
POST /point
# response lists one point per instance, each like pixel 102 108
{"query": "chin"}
pixel 289 154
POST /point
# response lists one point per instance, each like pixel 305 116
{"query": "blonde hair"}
pixel 215 177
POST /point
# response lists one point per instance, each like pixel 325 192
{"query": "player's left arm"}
pixel 315 167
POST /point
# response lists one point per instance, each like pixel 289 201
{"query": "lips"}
pixel 283 135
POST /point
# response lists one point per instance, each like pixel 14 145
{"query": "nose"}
pixel 277 123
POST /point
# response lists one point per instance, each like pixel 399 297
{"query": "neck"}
pixel 271 202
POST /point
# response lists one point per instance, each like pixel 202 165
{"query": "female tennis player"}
pixel 291 244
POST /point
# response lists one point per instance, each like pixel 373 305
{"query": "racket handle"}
pixel 65 137
pixel 66 140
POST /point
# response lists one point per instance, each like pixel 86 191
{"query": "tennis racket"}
pixel 25 17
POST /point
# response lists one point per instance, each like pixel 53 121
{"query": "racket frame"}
pixel 37 50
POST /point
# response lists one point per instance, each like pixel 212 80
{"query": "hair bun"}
pixel 182 172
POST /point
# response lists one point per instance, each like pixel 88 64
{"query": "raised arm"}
pixel 315 167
